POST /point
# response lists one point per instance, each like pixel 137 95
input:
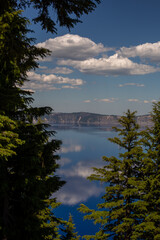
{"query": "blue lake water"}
pixel 82 149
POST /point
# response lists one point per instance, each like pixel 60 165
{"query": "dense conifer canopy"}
pixel 27 154
pixel 28 159
pixel 53 12
pixel 121 210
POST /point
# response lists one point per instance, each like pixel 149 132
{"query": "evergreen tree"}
pixel 122 209
pixel 50 12
pixel 28 154
pixel 29 176
pixel 50 225
pixel 150 228
pixel 17 57
pixel 69 231
pixel 9 141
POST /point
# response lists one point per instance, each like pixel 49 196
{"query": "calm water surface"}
pixel 82 149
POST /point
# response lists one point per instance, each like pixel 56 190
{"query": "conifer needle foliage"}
pixel 50 13
pixel 68 232
pixel 150 227
pixel 28 158
pixel 122 208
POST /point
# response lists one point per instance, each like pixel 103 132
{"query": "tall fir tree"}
pixel 18 56
pixel 68 232
pixel 9 141
pixel 30 173
pixel 150 228
pixel 122 208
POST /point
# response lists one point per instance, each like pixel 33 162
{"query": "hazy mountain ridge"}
pixel 85 118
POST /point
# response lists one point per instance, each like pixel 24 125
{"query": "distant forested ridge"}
pixel 85 118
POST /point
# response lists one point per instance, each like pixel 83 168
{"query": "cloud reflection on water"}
pixel 64 161
pixel 81 150
pixel 71 148
pixel 81 169
pixel 78 190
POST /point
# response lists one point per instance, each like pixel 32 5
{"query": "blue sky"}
pixel 106 64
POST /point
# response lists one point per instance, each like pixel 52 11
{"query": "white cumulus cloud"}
pixel 73 47
pixel 133 100
pixel 145 51
pixel 108 100
pixel 51 82
pixel 58 70
pixel 131 84
pixel 146 101
pixel 141 101
pixel 89 57
pixel 114 65
pixel 150 101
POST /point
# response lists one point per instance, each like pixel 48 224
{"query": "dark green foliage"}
pixel 27 159
pixel 17 56
pixel 69 231
pixel 34 181
pixel 9 141
pixel 122 209
pixel 50 12
pixel 150 228
pixel 49 223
